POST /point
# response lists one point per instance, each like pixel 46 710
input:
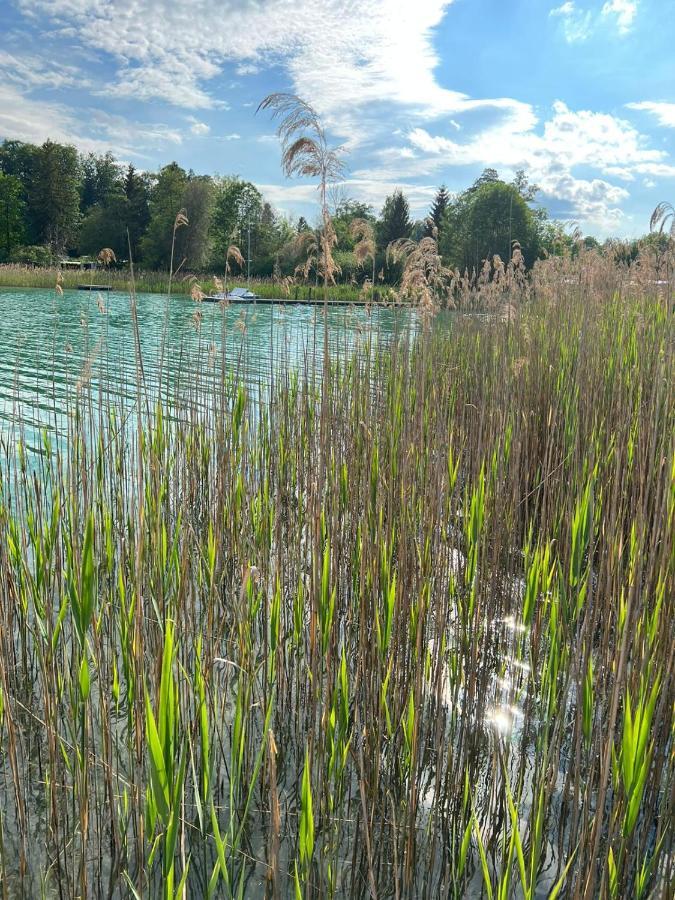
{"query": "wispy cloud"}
pixel 624 12
pixel 557 156
pixel 25 118
pixel 201 129
pixel 34 121
pixel 30 72
pixel 372 191
pixel 336 54
pixel 664 112
pixel 143 135
pixel 579 24
pixel 173 82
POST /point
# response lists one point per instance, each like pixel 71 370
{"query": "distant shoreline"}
pixel 17 276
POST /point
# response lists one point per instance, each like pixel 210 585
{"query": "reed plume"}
pixel 425 280
pixel 363 233
pixel 305 152
pixel 181 221
pixel 233 253
pixel 663 218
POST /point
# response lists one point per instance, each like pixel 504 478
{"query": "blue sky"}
pixel 579 93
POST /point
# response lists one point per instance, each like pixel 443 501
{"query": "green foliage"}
pixel 484 221
pixel 306 834
pixel 167 764
pixel 388 681
pixel 12 210
pixel 77 204
pixel 236 204
pixel 54 196
pixel 137 190
pixel 39 256
pixel 101 181
pixel 636 752
pixel 438 211
pixel 394 222
pixel 165 204
pixel 106 226
pixel 193 241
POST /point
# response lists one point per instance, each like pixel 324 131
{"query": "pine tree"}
pixel 437 212
pixel 11 215
pixel 137 192
pixel 54 197
pixel 101 180
pixel 395 220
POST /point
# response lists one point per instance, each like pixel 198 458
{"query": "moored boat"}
pixel 236 295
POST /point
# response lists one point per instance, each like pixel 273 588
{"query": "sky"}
pixel 579 93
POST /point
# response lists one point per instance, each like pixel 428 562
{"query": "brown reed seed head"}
pixel 107 256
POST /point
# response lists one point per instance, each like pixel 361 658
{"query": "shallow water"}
pixel 51 345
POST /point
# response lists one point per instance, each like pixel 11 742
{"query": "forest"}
pixel 56 202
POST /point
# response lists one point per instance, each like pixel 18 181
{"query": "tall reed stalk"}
pixel 425 650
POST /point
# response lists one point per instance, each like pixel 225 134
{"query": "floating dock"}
pixel 274 301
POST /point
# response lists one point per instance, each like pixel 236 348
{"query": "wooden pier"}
pixel 274 301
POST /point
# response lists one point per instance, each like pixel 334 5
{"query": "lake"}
pixel 389 622
pixel 50 345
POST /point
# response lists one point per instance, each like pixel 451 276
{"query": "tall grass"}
pixel 399 629
pixel 158 283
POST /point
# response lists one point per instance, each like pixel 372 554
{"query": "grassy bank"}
pixel 158 282
pixel 405 630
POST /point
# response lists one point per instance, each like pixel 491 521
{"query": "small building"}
pixel 80 264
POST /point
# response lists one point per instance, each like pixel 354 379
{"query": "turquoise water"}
pixel 54 349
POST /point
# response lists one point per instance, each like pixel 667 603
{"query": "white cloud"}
pixel 625 12
pixel 35 121
pixel 659 170
pixel 664 112
pixel 336 54
pixel 30 72
pixel 577 24
pixel 366 82
pixel 570 141
pixel 375 191
pixel 567 9
pixel 142 135
pixel 197 127
pixel 173 83
pixel 288 196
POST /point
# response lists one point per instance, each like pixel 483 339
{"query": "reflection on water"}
pixel 51 347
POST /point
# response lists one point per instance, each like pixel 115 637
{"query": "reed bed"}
pixel 396 627
pixel 14 275
pixel 158 283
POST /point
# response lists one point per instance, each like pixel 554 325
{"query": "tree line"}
pixel 56 202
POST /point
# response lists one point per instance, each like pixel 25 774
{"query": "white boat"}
pixel 236 295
